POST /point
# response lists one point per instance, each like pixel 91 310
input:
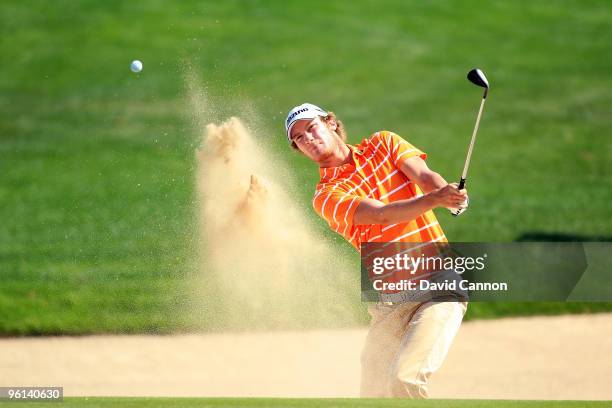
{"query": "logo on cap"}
pixel 294 114
pixel 303 111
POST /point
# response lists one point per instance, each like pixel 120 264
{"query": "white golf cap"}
pixel 303 111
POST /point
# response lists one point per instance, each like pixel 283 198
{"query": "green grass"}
pixel 305 402
pixel 96 163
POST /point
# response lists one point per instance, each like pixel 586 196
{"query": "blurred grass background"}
pixel 96 163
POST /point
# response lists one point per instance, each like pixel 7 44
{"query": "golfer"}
pixel 381 190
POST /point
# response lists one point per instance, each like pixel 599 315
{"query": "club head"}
pixel 477 77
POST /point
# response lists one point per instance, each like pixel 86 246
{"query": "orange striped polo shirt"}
pixel 373 172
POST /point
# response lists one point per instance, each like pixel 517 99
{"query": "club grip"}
pixel 461 185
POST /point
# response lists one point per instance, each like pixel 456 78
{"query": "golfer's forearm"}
pixel 397 211
pixel 431 181
pixel 406 210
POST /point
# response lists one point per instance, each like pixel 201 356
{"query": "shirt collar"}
pixel 330 173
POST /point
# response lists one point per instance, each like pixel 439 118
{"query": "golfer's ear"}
pixel 331 122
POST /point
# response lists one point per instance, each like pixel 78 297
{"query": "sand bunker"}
pixel 565 357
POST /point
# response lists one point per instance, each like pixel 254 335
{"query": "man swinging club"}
pixel 381 190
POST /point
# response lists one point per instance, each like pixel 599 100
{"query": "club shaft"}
pixel 469 152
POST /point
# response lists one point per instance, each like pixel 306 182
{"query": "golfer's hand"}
pixel 461 209
pixel 450 197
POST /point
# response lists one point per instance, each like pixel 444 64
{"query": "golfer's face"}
pixel 313 138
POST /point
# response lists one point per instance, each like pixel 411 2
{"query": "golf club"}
pixel 477 77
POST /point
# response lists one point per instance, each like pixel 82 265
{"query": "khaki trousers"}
pixel 407 343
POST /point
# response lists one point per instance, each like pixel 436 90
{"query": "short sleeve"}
pixel 337 207
pixel 401 149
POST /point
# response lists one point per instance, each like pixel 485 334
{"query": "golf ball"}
pixel 136 66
